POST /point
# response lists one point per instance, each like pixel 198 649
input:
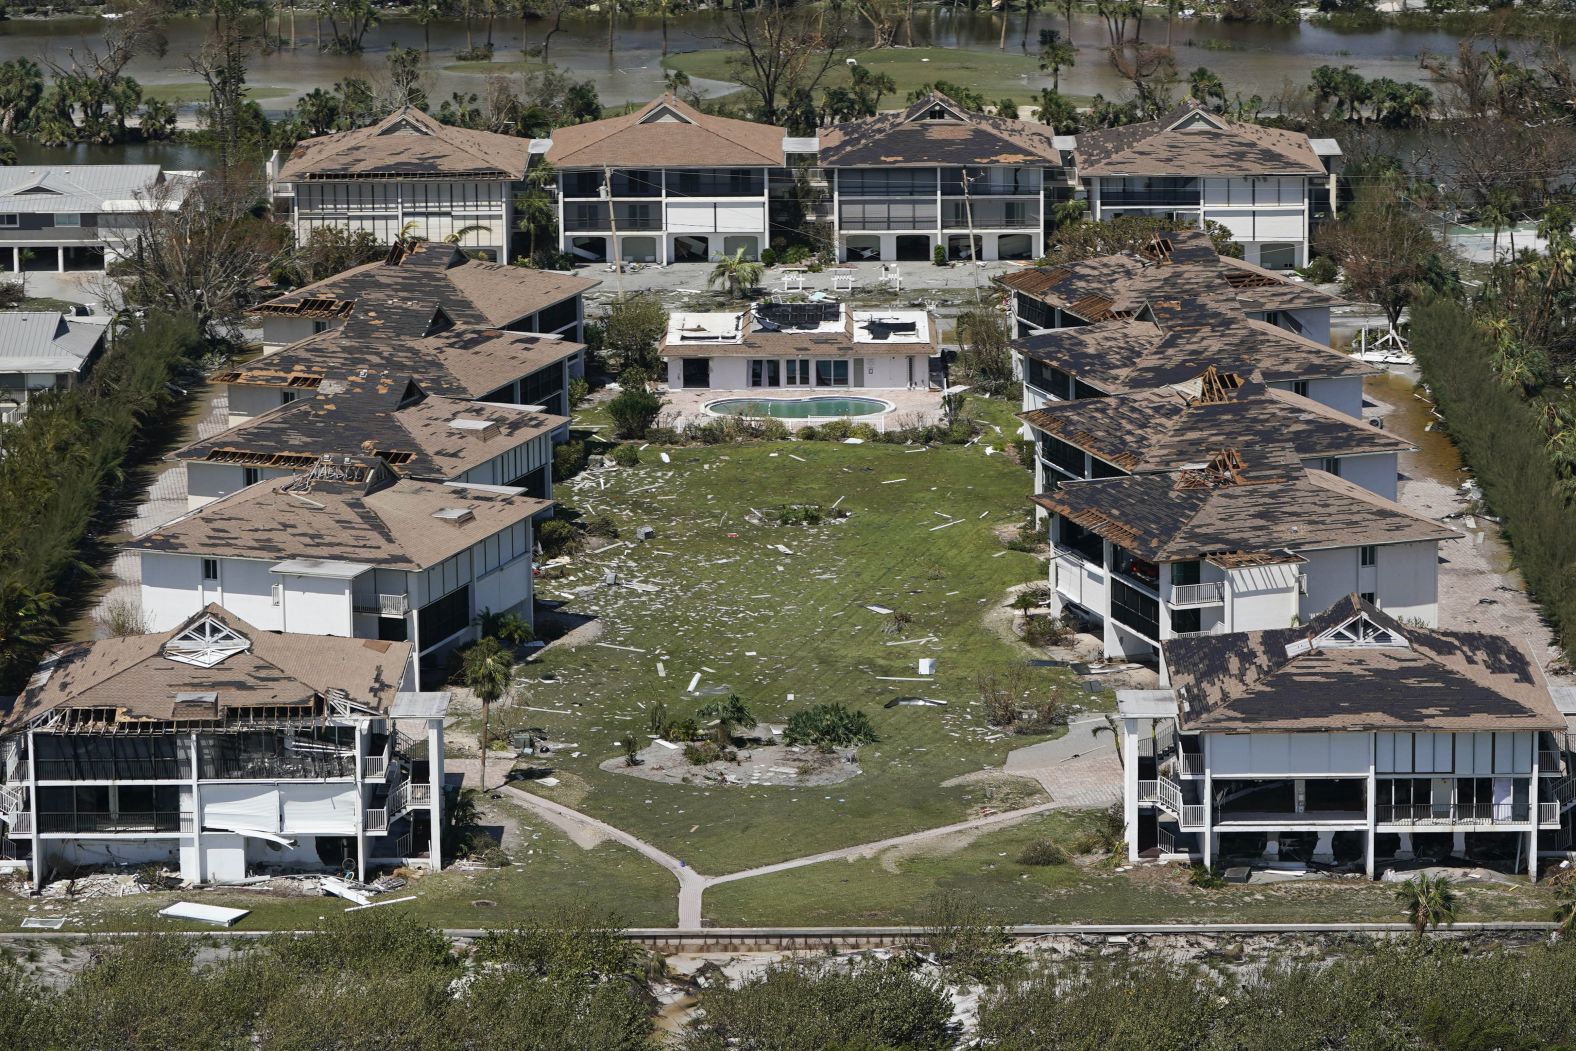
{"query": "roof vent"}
pixel 483 429
pixel 454 515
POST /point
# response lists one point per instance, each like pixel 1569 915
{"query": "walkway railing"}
pixel 1198 594
pixel 1453 814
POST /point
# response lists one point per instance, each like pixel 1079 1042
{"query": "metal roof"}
pixel 45 341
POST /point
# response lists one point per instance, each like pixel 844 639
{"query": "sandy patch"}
pixel 784 765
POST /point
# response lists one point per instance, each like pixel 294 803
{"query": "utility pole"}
pixel 968 214
pixel 612 224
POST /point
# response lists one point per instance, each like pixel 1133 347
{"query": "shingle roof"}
pixel 133 675
pixel 1274 505
pixel 414 433
pixel 371 519
pixel 667 133
pixel 1208 145
pixel 905 137
pixel 1127 280
pixel 461 363
pixel 1166 428
pixel 1314 678
pixel 403 291
pixel 409 144
pixel 46 341
pixel 1127 355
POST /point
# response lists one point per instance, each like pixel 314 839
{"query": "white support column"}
pixel 361 800
pixel 1207 836
pixel 1532 831
pixel 1130 787
pixel 201 862
pixel 32 806
pixel 435 775
pixel 1373 790
pixel 60 259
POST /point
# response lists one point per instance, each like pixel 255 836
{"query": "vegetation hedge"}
pixel 64 480
pixel 1499 437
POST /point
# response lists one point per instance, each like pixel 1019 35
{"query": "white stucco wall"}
pixel 173 590
pixel 245 401
pixel 1405 580
pixel 207 482
pixel 1343 394
pixel 1261 597
pixel 1283 754
pixel 880 371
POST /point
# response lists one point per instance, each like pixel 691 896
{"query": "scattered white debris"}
pixel 190 910
pixel 693 683
pixel 878 609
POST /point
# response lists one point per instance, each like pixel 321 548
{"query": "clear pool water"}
pixel 800 408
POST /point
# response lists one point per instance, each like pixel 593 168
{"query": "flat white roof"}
pixel 410 705
pixel 1146 704
pixel 705 328
pixel 891 326
pixel 322 568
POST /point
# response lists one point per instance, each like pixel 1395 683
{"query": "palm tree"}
pixel 730 715
pixel 1204 85
pixel 736 274
pixel 1069 212
pixel 1056 55
pixel 535 207
pixel 1067 8
pixel 1499 211
pixel 1029 7
pixel 487 671
pixel 1428 901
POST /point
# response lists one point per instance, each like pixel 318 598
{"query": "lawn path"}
pixel 692 885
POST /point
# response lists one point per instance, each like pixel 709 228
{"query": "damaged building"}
pixel 1352 739
pixel 1246 541
pixel 224 750
pixel 348 547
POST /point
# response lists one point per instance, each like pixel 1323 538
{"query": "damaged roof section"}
pixel 937 131
pixel 400 295
pixel 792 330
pixel 667 132
pixel 409 144
pixel 1353 667
pixel 1239 505
pixel 1166 428
pixel 1184 263
pixel 212 670
pixel 462 363
pixel 1190 140
pixel 419 435
pixel 350 509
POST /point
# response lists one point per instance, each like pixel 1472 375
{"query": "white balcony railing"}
pixel 1163 791
pixel 377 819
pixel 1550 762
pixel 1193 815
pixel 1069 579
pixel 1190 764
pixel 1216 629
pixel 1211 594
pixel 1455 814
pixel 1548 813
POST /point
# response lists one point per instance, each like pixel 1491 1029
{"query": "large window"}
pixel 1034 312
pixel 545 387
pixel 798 372
pixel 1130 565
pixel 1088 545
pixel 557 316
pixel 886 182
pixel 1048 378
pixel 724 182
pixel 764 372
pixel 985 182
pixel 831 373
pixel 448 616
pixel 916 214
pixel 1069 458
pixel 1150 191
pixel 1135 609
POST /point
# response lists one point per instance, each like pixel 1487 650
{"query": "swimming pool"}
pixel 830 406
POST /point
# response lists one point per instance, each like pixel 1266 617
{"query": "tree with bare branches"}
pixel 782 53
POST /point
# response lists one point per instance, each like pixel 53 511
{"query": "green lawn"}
pixel 995 74
pixel 785 631
pixel 896 888
pixel 549 875
pixel 196 92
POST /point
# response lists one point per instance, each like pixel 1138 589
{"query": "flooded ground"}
pixel 1250 58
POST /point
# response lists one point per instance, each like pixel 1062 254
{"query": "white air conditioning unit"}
pixel 1302 583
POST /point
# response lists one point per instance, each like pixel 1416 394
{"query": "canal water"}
pixel 1250 58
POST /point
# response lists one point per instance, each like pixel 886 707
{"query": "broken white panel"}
pixel 191 910
pixel 320 809
pixel 927 666
pixel 250 806
pixel 344 889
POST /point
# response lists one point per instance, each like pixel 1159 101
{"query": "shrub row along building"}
pixel 371 500
pixel 668 183
pixel 1217 505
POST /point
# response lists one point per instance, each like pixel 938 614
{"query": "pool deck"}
pixel 909 407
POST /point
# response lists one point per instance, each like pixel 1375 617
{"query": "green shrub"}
pixel 1321 270
pixel 569 459
pixel 633 411
pixel 626 456
pixel 1043 852
pixel 809 433
pixel 799 514
pixel 681 730
pixel 768 257
pixel 579 391
pixel 1205 877
pixel 837 430
pixel 795 254
pixel 830 726
pixel 775 430
pixel 864 431
pixel 558 537
pixel 938 255
pixel 699 753
pixel 602 524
